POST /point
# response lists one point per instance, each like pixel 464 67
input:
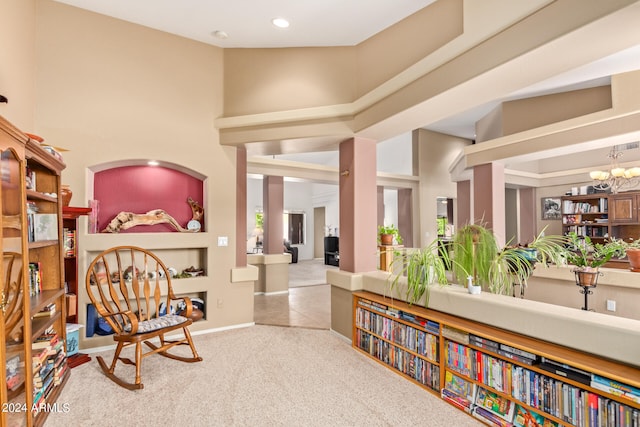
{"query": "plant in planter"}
pixel 588 257
pixel 423 267
pixel 631 249
pixel 387 234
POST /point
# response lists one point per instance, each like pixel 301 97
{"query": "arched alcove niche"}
pixel 140 186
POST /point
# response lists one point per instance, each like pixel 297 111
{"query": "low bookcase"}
pixel 500 377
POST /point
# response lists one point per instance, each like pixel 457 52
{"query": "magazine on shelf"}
pixel 526 418
pixel 499 405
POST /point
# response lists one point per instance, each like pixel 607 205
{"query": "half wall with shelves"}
pixel 502 377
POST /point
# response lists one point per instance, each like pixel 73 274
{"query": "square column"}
pixel 358 205
pixel 273 202
pixel 488 198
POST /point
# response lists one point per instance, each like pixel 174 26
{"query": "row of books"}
pixel 49 366
pixel 426 324
pixel 490 407
pixel 588 230
pixel 69 242
pixel 615 387
pixel 35 278
pixel 564 401
pixel 409 364
pixel 572 207
pixel 415 340
pixel 505 350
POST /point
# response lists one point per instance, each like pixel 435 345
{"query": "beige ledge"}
pixel 610 276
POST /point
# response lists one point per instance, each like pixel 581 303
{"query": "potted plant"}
pixel 422 267
pixel 588 257
pixel 477 258
pixel 387 235
pixel 631 249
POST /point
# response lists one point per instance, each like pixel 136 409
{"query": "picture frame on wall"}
pixel 551 208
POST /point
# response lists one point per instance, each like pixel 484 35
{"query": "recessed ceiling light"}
pixel 280 22
pixel 219 34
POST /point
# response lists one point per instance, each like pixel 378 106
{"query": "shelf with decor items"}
pixel 33 314
pixel 499 377
pixel 177 250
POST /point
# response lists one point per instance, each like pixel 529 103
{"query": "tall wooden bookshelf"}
pixel 500 377
pixel 32 272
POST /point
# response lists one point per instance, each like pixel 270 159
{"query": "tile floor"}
pixel 306 307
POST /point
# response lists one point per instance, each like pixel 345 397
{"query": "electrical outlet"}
pixel 611 305
pixel 223 241
pixel 220 302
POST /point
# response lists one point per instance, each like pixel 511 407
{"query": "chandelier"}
pixel 616 178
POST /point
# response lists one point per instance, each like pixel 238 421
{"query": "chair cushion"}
pixel 158 323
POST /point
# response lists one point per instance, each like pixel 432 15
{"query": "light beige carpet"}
pixel 257 376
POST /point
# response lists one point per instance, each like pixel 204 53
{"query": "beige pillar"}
pixel 405 216
pixel 463 196
pixel 380 207
pixel 241 207
pixel 527 224
pixel 273 202
pixel 358 203
pixel 488 198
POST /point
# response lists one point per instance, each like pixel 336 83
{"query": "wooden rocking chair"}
pixel 125 284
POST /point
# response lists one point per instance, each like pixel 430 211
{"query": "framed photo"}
pixel 551 208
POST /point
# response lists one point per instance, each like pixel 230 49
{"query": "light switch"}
pixel 223 241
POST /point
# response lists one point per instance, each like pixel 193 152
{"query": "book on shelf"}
pixel 69 242
pixel 455 334
pixel 499 405
pixel 518 358
pixel 489 417
pixel 565 370
pixel 525 418
pixel 598 380
pixel 518 351
pixel 47 311
pixel 35 278
pixel 459 386
pixel 457 401
pixel 47 341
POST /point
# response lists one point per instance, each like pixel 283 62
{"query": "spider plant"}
pixel 476 253
pixel 423 267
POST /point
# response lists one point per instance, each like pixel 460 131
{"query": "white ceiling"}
pixel 248 22
pixel 329 23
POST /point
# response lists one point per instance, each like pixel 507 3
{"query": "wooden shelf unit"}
pixel 21 154
pixel 70 217
pixel 381 326
pixel 587 215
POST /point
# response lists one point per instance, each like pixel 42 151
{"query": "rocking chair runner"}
pixel 125 284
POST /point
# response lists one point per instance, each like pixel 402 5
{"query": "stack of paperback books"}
pixel 49 366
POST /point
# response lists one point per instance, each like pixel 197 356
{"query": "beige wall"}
pixel 110 91
pixel 400 46
pixel 265 80
pixel 436 152
pixel 17 62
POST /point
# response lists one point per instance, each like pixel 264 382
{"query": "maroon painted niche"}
pixel 140 189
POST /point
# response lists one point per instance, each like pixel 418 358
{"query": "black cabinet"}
pixel 331 251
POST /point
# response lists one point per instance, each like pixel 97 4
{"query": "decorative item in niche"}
pixel 198 213
pixel 125 220
pixel 551 208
